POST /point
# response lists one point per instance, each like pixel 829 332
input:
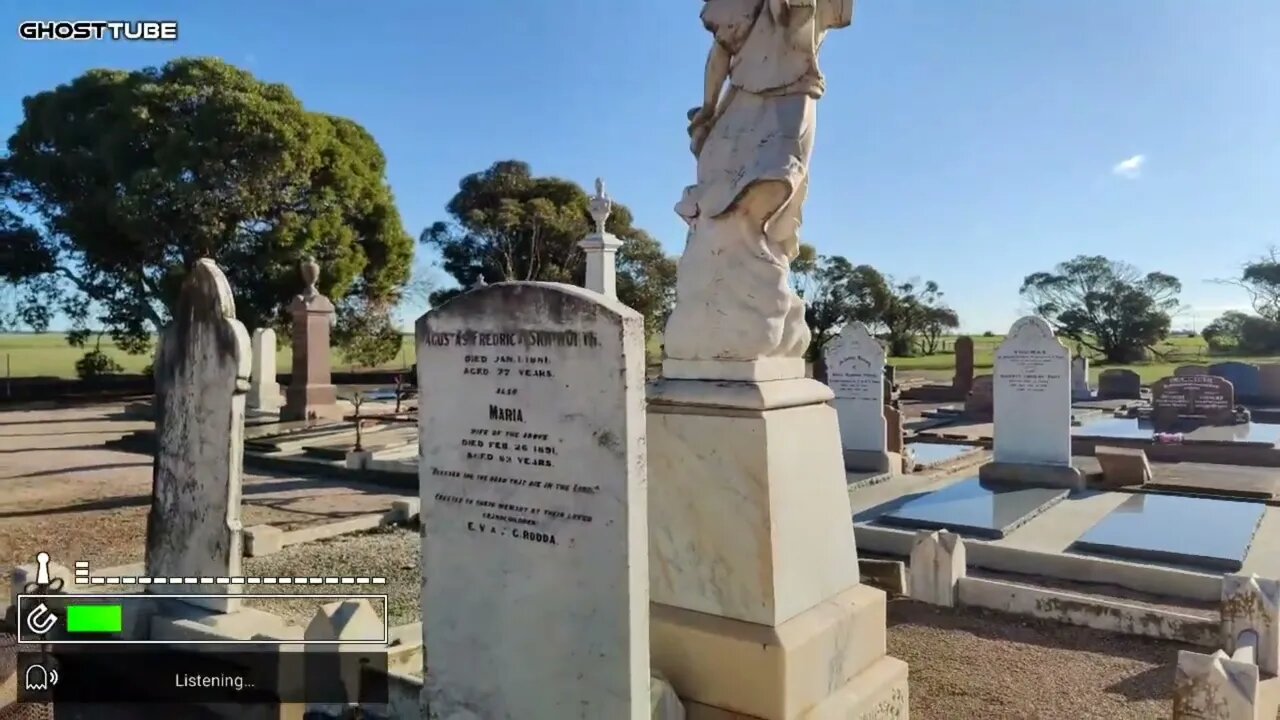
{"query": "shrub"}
pixel 95 364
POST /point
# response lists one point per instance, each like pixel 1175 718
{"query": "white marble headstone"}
pixel 1080 378
pixel 1031 387
pixel 202 374
pixel 264 391
pixel 534 504
pixel 855 372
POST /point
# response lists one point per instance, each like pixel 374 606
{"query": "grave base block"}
pixel 1026 474
pixel 872 461
pixel 827 662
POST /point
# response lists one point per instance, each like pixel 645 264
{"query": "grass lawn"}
pixel 1177 351
pixel 49 355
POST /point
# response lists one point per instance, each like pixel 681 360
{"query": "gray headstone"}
pixel 535 600
pixel 1119 384
pixel 1080 389
pixel 202 375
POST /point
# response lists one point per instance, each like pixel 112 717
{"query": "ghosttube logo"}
pixel 75 30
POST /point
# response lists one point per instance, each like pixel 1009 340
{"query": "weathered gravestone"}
pixel 856 375
pixel 1080 389
pixel 202 375
pixel 962 381
pixel 535 599
pixel 1189 370
pixel 1195 399
pixel 1245 378
pixel 1119 384
pixel 1031 436
pixel 264 391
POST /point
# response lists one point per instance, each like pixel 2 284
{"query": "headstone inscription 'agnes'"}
pixel 202 375
pixel 533 489
pixel 855 374
pixel 1206 399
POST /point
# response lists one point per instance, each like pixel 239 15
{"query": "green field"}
pixel 1177 351
pixel 49 355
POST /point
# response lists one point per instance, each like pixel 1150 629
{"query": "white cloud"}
pixel 1129 168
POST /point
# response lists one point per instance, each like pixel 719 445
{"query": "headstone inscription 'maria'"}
pixel 533 489
pixel 856 375
pixel 1119 384
pixel 1203 398
pixel 202 375
pixel 1031 390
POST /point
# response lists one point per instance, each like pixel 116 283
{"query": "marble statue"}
pixel 752 141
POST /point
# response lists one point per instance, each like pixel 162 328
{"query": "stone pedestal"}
pixel 757 607
pixel 601 250
pixel 311 390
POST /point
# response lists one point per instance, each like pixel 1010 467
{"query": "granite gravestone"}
pixel 856 375
pixel 202 375
pixel 533 491
pixel 962 381
pixel 1119 384
pixel 1031 435
pixel 1195 399
pixel 978 403
pixel 1245 378
pixel 1269 383
pixel 311 393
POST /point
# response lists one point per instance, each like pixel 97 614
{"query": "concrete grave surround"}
pixel 1032 395
pixel 311 390
pixel 202 375
pixel 856 375
pixel 533 501
pixel 1246 378
pixel 264 391
pixel 1119 384
pixel 1080 389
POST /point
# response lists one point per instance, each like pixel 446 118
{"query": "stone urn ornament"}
pixel 310 275
pixel 600 207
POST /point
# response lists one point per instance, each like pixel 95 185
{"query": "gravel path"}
pixel 979 665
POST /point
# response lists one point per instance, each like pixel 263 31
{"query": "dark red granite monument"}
pixel 311 393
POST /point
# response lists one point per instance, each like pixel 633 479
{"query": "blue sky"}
pixel 969 143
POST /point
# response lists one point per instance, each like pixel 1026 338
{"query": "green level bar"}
pixel 95 618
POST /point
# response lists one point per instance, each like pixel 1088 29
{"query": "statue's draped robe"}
pixel 733 297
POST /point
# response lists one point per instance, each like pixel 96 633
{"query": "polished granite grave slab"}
pixel 969 507
pixel 1256 432
pixel 1114 427
pixel 927 453
pixel 1178 530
